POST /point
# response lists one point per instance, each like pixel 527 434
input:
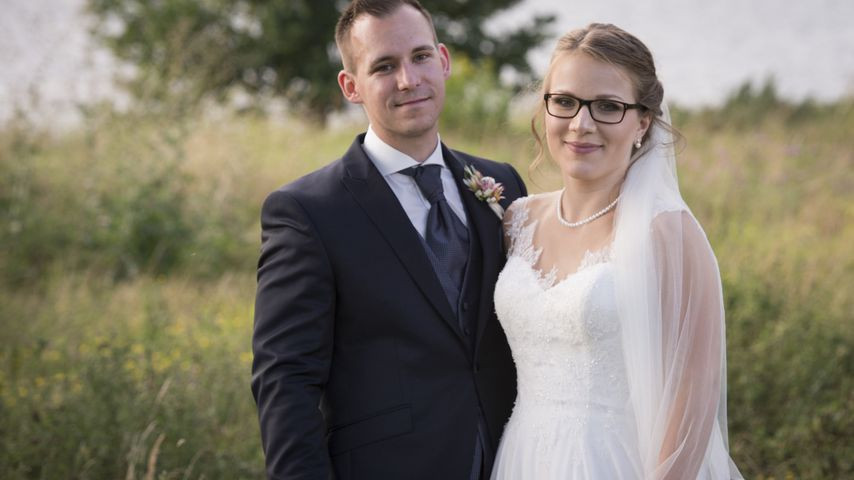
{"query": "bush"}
pixel 118 199
pixel 113 381
pixel 475 102
pixel 127 262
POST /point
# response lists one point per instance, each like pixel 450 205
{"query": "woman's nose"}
pixel 583 120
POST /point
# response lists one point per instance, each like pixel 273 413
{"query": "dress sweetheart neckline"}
pixel 521 233
pixel 548 281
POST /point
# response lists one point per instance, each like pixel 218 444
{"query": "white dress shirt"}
pixel 389 161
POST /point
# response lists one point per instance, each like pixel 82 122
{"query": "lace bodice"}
pixel 564 335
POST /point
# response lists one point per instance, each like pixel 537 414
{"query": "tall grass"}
pixel 775 192
pixel 127 253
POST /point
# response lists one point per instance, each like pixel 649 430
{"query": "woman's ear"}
pixel 645 122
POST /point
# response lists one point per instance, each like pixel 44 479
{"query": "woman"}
pixel 611 297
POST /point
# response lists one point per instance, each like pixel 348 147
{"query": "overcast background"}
pixel 704 48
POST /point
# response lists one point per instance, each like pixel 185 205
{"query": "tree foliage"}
pixel 203 48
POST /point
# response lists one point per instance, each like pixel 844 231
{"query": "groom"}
pixel 377 350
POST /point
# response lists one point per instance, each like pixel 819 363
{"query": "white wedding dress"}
pixel 570 419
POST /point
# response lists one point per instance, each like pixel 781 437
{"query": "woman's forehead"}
pixel 583 75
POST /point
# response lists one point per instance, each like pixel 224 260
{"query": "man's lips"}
pixel 582 147
pixel 414 101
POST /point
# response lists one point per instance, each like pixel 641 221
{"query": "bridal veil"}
pixel 671 312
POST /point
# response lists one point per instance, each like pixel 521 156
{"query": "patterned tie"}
pixel 446 235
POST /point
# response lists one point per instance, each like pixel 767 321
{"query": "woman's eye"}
pixel 565 102
pixel 608 107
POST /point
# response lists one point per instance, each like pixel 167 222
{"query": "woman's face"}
pixel 584 149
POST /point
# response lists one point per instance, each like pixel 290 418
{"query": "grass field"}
pixel 127 252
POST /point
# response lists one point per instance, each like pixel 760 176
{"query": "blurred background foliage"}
pixel 128 249
pixel 213 49
pixel 127 273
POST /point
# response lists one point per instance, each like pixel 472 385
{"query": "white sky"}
pixel 704 48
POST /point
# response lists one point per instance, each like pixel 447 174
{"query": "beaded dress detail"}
pixel 570 420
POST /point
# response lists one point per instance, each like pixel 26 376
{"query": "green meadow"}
pixel 127 261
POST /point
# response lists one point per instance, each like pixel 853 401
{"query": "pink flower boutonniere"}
pixel 486 189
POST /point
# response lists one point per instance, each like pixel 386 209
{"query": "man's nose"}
pixel 407 77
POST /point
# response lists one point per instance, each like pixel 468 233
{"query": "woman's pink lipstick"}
pixel 581 147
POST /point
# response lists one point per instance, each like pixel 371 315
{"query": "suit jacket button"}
pixel 476 367
pixel 465 306
pixel 466 331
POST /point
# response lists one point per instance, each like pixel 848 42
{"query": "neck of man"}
pixel 419 147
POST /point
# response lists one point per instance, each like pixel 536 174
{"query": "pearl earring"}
pixel 638 143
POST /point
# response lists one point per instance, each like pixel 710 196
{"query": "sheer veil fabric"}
pixel 670 307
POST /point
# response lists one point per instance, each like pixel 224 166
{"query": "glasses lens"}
pixel 562 106
pixel 603 111
pixel 607 111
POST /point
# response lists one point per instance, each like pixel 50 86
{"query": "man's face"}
pixel 398 75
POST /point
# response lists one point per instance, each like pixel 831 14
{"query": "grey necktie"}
pixel 446 236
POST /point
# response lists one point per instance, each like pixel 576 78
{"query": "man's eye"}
pixel 383 68
pixel 422 57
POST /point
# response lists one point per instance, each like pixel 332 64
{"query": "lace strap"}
pixel 521 231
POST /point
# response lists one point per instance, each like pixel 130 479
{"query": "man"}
pixel 377 350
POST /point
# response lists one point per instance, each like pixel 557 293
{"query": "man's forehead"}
pixel 376 38
pixel 383 53
pixel 403 24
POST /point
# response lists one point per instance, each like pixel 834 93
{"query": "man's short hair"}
pixel 374 8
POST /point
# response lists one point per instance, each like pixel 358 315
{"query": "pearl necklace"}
pixel 585 220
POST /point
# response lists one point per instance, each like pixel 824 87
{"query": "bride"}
pixel 611 296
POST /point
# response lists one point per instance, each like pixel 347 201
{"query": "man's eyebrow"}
pixel 391 58
pixel 383 59
pixel 421 48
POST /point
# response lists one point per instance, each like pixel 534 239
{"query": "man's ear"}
pixel 347 82
pixel 445 58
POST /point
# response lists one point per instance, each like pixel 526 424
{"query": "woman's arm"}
pixel 692 343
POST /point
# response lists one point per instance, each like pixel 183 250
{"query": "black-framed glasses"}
pixel 602 110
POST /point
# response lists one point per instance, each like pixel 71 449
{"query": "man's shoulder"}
pixel 317 181
pixel 484 165
pixel 317 191
pixel 468 158
pixel 322 182
pixel 305 190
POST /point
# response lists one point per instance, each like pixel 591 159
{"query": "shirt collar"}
pixel 389 160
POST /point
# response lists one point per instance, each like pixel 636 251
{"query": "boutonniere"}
pixel 486 189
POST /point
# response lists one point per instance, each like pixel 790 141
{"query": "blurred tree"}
pixel 196 49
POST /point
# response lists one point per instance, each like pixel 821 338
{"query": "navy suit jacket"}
pixel 360 366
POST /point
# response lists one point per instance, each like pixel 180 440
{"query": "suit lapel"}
pixel 375 197
pixel 488 226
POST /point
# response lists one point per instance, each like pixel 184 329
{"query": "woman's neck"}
pixel 581 199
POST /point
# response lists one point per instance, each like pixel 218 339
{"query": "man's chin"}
pixel 416 127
